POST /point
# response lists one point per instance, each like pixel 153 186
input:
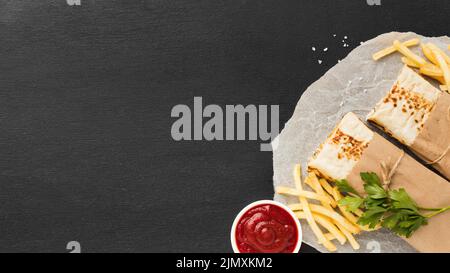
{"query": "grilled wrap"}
pixel 353 148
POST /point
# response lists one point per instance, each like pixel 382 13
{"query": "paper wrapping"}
pixel 355 84
pixel 423 185
pixel 434 138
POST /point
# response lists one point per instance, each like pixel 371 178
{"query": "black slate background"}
pixel 85 98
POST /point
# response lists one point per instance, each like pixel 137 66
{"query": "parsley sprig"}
pixel 392 209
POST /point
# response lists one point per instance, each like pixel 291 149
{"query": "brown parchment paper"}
pixel 424 186
pixel 355 84
pixel 434 138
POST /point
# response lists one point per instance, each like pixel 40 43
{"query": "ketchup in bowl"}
pixel 266 227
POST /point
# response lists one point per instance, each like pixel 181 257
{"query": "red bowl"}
pixel 233 235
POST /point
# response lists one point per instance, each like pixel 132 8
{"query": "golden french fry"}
pixel 348 235
pixel 408 53
pixel 343 209
pixel 444 87
pixel 439 79
pixel 329 213
pixel 337 196
pixel 306 194
pixel 349 216
pixel 431 70
pixel 389 50
pixel 327 224
pixel 328 188
pixel 442 63
pixel 308 214
pixel 358 212
pixel 329 236
pixel 428 53
pixel 312 181
pixel 433 47
pixel 351 239
pixel 410 63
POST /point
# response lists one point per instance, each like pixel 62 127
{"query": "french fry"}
pixel 389 50
pixel 348 235
pixel 433 47
pixel 328 188
pixel 427 69
pixel 439 55
pixel 329 236
pixel 349 216
pixel 431 70
pixel 327 224
pixel 428 53
pixel 336 195
pixel 313 182
pixel 410 63
pixel 408 53
pixel 329 213
pixel 306 194
pixel 444 87
pixel 308 214
pixel 351 239
pixel 358 212
pixel 439 79
pixel 343 209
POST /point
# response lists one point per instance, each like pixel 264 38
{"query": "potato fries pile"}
pixel 435 64
pixel 326 213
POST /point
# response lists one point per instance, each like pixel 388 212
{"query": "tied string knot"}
pixel 437 160
pixel 388 172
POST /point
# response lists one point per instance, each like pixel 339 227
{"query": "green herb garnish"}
pixel 392 209
pixel 345 187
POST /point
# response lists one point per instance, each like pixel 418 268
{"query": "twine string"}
pixel 388 172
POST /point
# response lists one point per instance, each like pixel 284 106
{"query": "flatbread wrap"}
pixel 353 148
pixel 418 115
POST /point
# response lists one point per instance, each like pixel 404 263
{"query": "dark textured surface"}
pixel 85 100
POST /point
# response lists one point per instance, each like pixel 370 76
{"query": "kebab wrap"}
pixel 353 148
pixel 418 115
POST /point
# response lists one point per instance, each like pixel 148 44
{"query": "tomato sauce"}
pixel 266 228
